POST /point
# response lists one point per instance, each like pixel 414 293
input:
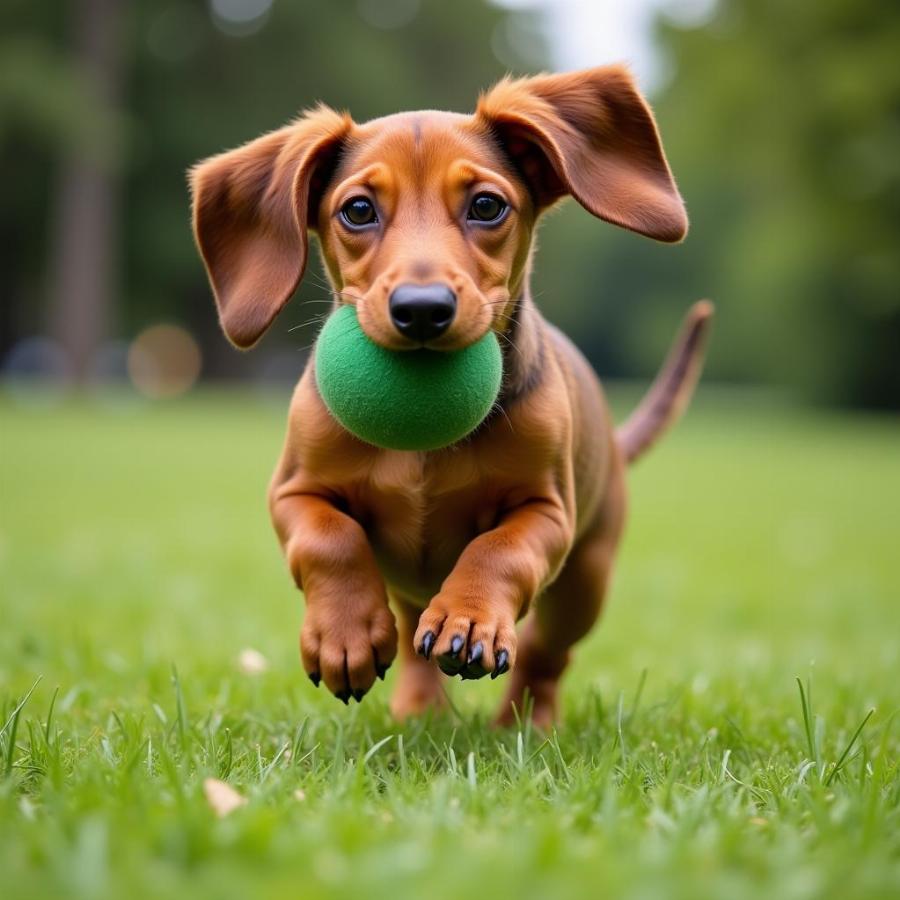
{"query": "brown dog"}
pixel 426 220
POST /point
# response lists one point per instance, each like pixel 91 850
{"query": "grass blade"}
pixel 374 749
pixel 839 764
pixel 13 720
pixel 14 714
pixel 50 716
pixel 180 713
pixel 806 705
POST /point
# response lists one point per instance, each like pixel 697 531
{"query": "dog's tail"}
pixel 671 392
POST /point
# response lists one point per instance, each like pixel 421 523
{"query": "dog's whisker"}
pixel 315 276
pixel 319 286
pixel 314 321
pixel 497 406
pixel 509 341
pixel 322 285
pixel 327 288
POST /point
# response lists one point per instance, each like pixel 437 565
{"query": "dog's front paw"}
pixel 468 639
pixel 347 651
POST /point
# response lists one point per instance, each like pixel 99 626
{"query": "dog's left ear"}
pixel 592 135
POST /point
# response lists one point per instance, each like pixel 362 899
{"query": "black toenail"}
pixel 358 694
pixel 476 653
pixel 427 644
pixel 457 644
pixel 502 664
pixel 343 696
pixel 315 678
pixel 380 670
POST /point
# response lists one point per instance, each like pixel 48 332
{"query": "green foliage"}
pixel 782 127
pixel 688 764
pixel 780 120
pixel 191 90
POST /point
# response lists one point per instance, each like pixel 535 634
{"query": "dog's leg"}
pixel 564 614
pixel 418 686
pixel 349 635
pixel 470 625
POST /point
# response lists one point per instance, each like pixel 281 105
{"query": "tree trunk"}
pixel 84 244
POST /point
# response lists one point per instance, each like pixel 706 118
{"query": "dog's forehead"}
pixel 417 118
pixel 424 136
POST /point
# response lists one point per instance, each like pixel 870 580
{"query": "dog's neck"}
pixel 523 350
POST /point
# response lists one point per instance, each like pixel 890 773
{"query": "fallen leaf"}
pixel 252 662
pixel 221 797
pixel 299 795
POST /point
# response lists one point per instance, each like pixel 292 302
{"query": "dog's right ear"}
pixel 592 135
pixel 250 210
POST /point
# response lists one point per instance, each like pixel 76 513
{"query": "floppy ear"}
pixel 251 209
pixel 589 134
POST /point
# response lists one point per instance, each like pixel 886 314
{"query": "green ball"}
pixel 404 400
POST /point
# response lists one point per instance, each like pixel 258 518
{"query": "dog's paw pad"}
pixel 466 642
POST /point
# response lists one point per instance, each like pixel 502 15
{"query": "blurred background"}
pixel 781 122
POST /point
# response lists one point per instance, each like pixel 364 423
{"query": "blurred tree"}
pixel 781 121
pixel 814 164
pixel 782 125
pixel 196 78
pixel 47 113
pixel 83 249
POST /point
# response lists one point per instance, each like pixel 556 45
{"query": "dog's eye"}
pixel 359 211
pixel 487 208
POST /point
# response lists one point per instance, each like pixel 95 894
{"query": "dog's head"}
pixel 425 219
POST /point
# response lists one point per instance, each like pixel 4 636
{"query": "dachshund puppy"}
pixel 522 518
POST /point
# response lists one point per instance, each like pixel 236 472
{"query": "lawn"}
pixel 138 562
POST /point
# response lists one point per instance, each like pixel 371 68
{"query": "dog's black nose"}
pixel 422 311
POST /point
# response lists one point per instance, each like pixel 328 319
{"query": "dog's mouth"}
pixel 456 333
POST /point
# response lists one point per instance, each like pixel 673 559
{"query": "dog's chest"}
pixel 420 512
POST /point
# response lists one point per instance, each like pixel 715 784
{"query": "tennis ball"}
pixel 404 400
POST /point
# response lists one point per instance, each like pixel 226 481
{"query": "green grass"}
pixel 764 545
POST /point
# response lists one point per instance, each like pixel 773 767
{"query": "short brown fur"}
pixel 522 518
